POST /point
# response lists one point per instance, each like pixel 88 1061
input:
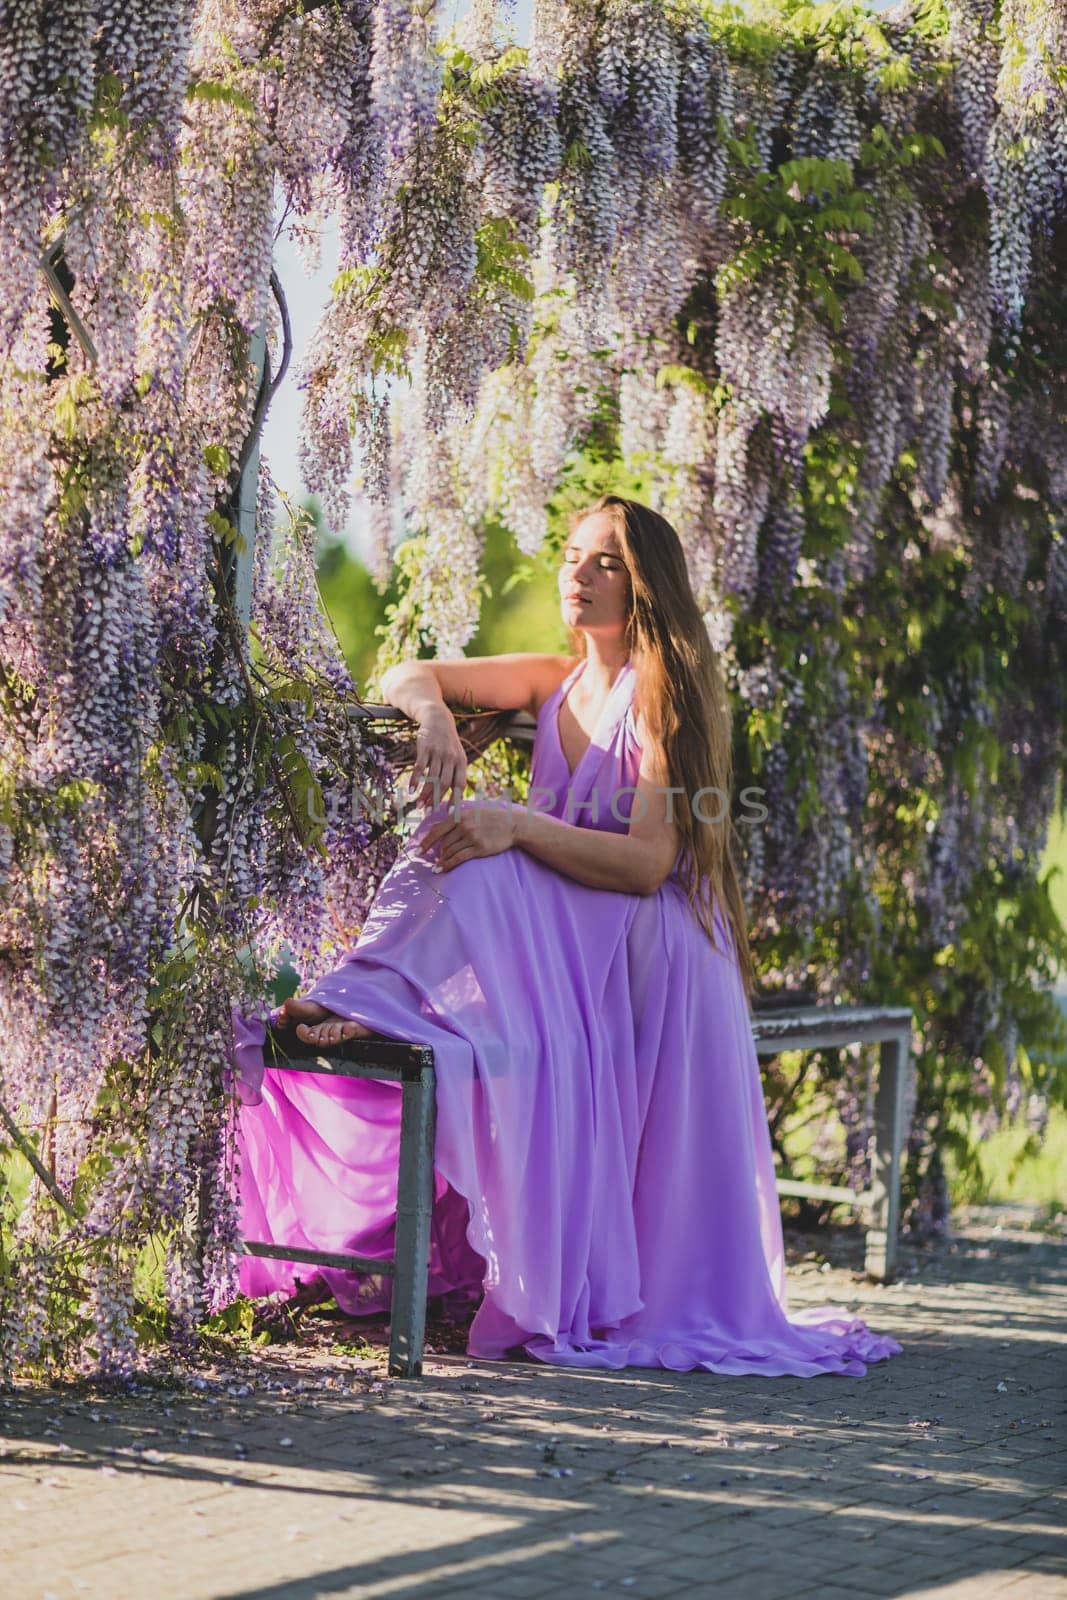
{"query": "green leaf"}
pixel 846 262
pixel 521 574
pixel 223 529
pixel 304 792
pixel 676 373
pixel 219 94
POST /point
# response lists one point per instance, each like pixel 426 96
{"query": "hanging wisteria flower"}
pixel 802 285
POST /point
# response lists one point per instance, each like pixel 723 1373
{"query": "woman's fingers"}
pixel 457 858
pixel 454 848
pixel 422 778
pixel 447 785
pixel 449 782
pixel 440 766
pixel 424 755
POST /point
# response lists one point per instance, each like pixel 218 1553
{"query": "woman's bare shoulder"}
pixel 556 669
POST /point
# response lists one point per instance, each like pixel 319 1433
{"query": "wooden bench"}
pixel 412 1066
pixel 834 1027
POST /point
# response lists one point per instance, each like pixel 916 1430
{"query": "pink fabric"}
pixel 604 1176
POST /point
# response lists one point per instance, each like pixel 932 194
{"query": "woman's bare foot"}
pixel 315 1025
pixel 294 1011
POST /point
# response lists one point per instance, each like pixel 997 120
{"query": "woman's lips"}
pixel 583 598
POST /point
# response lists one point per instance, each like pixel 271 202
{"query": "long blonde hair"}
pixel 680 695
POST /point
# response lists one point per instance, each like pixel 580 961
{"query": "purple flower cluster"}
pixel 591 236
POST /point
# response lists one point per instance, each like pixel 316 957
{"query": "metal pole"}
pixel 882 1241
pixel 245 497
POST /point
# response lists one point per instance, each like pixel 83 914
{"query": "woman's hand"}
pixel 476 830
pixel 440 760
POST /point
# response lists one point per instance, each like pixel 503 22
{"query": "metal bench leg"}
pixel 884 1226
pixel 414 1203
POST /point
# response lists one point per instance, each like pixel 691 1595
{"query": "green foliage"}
pixel 354 606
pixel 521 611
pixel 305 792
pixel 797 215
pixel 500 255
pixel 225 530
pixel 1016 1163
pixel 217 460
pixel 236 1326
pixel 220 94
pixel 108 112
pixel 482 81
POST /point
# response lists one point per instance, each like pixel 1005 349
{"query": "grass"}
pixel 1008 1171
pixel 1056 856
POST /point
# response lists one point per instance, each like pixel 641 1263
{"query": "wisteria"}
pixel 176 798
pixel 801 280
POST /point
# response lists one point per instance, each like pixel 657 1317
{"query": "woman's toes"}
pixel 335 1031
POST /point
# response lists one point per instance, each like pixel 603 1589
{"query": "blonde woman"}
pixel 605 1188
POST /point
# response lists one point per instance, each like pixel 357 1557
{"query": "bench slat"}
pixel 316 1258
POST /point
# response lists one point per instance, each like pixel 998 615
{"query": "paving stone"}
pixel 513 1481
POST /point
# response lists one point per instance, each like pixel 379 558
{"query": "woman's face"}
pixel 594 584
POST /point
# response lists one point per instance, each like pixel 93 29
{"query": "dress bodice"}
pixel 599 793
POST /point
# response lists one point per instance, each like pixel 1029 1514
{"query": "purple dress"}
pixel 604 1178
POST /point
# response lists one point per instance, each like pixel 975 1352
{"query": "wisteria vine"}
pixel 797 271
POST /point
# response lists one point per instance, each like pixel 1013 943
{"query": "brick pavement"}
pixel 939 1474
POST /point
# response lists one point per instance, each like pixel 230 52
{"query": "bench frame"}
pixel 412 1066
pixel 834 1027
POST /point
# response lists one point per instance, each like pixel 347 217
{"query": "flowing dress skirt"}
pixel 604 1177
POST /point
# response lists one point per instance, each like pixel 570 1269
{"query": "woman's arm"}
pixel 590 855
pixel 422 690
pixel 636 862
pixel 518 681
pixel 413 688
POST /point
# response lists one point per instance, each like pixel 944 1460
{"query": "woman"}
pixel 604 1178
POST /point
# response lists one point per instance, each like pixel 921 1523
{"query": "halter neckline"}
pixel 609 702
